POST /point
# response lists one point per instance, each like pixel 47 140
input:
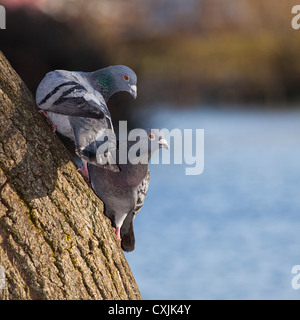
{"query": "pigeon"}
pixel 76 101
pixel 123 193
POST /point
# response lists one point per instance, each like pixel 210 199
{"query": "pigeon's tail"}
pixel 127 234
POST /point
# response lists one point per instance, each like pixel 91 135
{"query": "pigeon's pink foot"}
pixel 117 232
pixel 84 171
pixel 44 113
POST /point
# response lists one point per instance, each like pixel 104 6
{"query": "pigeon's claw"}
pixel 84 171
pixel 117 232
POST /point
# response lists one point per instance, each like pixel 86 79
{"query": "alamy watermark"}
pixel 135 147
pixel 2 277
pixel 296 19
pixel 296 279
pixel 2 17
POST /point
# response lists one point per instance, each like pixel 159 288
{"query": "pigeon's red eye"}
pixel 151 136
pixel 126 77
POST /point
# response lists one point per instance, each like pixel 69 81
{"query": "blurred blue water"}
pixel 234 231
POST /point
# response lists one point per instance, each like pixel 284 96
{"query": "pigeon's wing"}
pixel 68 93
pixel 141 193
pixel 95 142
pixel 127 231
pixel 77 106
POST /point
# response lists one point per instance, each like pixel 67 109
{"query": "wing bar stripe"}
pixel 62 97
pixel 50 94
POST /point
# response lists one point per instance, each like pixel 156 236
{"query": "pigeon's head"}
pixel 125 79
pixel 114 79
pixel 143 143
pixel 151 141
pixel 156 140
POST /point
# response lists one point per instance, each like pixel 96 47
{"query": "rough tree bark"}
pixel 55 242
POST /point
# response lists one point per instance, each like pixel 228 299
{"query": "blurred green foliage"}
pixel 228 67
pixel 184 52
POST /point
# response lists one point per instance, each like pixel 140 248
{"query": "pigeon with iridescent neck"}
pixel 76 101
pixel 123 193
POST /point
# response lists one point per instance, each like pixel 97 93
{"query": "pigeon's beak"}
pixel 133 91
pixel 163 143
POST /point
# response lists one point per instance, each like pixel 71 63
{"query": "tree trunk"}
pixel 55 242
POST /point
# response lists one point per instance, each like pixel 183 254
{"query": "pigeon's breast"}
pixel 62 124
pixel 116 196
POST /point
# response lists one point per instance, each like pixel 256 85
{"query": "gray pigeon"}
pixel 75 102
pixel 124 192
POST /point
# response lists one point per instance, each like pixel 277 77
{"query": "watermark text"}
pixel 136 147
pixel 2 17
pixel 2 277
pixel 296 19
